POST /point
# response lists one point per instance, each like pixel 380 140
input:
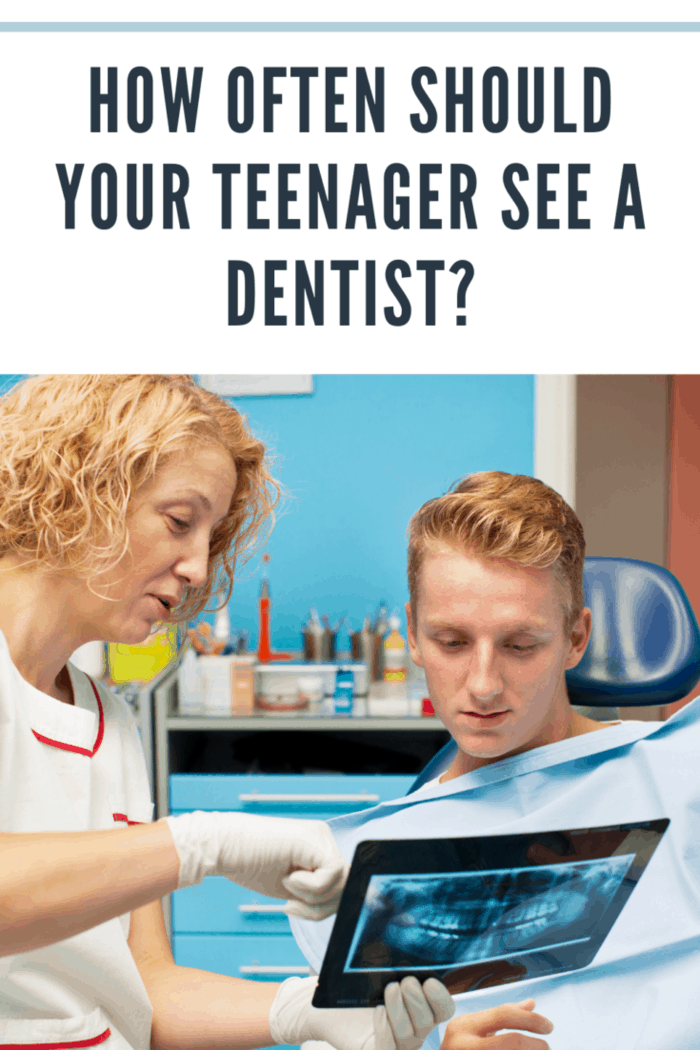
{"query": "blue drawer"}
pixel 320 797
pixel 220 906
pixel 215 926
pixel 269 958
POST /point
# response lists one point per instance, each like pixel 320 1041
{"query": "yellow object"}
pixel 141 663
pixel 394 653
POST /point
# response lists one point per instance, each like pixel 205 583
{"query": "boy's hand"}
pixel 479 1031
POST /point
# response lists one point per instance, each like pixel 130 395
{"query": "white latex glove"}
pixel 404 1022
pixel 280 857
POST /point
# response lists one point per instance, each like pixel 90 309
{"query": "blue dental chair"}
pixel 644 648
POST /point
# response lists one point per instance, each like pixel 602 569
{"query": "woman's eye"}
pixel 179 523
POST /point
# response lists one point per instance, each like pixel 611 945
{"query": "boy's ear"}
pixel 411 635
pixel 578 638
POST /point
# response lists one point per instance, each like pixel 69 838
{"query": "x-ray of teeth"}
pixel 444 920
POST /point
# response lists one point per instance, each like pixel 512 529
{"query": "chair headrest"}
pixel 645 641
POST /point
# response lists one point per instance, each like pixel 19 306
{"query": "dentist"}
pixel 125 501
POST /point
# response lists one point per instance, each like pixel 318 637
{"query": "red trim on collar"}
pixel 81 751
pixel 123 816
pixel 59 1046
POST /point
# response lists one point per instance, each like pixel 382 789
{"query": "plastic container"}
pixel 342 697
pixel 274 679
pixel 243 685
pixel 312 633
pixel 217 699
pixel 362 644
pixel 310 689
pixel 379 629
pixel 281 694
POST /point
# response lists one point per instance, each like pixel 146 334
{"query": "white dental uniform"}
pixel 71 768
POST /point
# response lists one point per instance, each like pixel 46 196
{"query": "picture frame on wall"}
pixel 256 386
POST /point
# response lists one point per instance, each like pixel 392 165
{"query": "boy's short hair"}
pixel 75 449
pixel 499 515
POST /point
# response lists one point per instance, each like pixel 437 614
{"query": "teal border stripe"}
pixel 349 27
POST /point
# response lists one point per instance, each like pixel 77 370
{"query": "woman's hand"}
pixel 479 1031
pixel 404 1022
pixel 278 856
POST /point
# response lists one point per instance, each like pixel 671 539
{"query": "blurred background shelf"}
pixel 384 742
pixel 306 722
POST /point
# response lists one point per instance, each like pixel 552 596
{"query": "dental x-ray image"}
pixel 426 921
pixel 478 912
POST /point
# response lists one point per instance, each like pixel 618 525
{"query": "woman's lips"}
pixel 158 605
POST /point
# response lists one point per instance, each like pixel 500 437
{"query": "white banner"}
pixel 358 196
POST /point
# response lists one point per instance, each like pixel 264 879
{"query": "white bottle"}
pixel 222 625
pixel 190 684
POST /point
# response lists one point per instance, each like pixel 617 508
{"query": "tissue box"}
pixel 227 685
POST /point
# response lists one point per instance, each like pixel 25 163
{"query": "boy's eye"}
pixel 522 648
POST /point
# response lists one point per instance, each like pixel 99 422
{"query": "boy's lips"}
pixel 492 718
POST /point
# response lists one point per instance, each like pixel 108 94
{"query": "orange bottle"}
pixel 264 650
pixel 265 653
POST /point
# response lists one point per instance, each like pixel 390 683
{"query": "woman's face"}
pixel 171 520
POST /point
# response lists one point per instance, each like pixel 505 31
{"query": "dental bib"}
pixel 639 991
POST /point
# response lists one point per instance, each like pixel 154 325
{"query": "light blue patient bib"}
pixel 642 990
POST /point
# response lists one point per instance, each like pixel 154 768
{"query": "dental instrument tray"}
pixel 478 912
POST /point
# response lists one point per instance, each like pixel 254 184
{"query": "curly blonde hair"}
pixel 74 449
pixel 499 515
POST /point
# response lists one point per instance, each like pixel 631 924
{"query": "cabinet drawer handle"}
pixel 254 796
pixel 266 909
pixel 306 970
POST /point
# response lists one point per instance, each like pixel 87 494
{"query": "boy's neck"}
pixel 575 724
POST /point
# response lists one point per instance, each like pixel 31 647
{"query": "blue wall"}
pixel 358 457
pixel 8 381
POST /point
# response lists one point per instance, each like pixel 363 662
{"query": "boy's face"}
pixel 490 636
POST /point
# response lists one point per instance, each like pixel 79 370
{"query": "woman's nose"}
pixel 193 566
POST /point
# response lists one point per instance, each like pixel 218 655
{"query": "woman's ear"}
pixel 411 635
pixel 578 638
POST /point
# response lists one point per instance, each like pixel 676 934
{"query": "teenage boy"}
pixel 496 617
